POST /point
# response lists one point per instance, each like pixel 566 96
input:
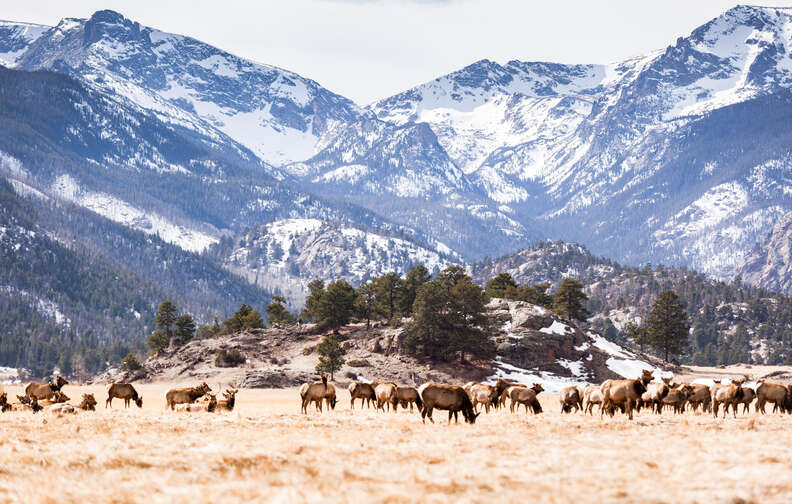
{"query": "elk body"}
pixel 623 393
pixel 771 392
pixel 452 398
pixel 362 391
pixel 407 396
pixel 185 395
pixel 592 395
pixel 569 398
pixel 123 391
pixel 726 395
pixel 313 392
pixel 386 394
pixel 45 391
pixel 527 397
pixel 228 403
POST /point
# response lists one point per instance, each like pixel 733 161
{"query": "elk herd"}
pixel 625 396
pixel 612 396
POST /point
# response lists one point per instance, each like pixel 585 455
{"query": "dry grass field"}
pixel 267 452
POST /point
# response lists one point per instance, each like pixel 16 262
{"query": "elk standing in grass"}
pixel 330 397
pixel 569 398
pixel 123 391
pixel 486 395
pixel 228 403
pixel 623 393
pixel 700 396
pixel 591 396
pixel 771 392
pixel 313 392
pixel 185 395
pixel 527 397
pixel 362 391
pixel 45 391
pixel 452 398
pixel 726 395
pixel 408 395
pixel 386 394
pixel 88 402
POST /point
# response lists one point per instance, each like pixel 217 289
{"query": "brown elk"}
pixel 501 387
pixel 623 392
pixel 655 393
pixel 592 395
pixel 88 402
pixel 486 395
pixel 527 397
pixel 386 394
pixel 408 396
pixel 123 391
pixel 748 396
pixel 28 402
pixel 330 396
pixel 228 403
pixel 452 398
pixel 362 391
pixel 185 395
pixel 677 397
pixel 726 395
pixel 4 405
pixel 771 392
pixel 569 398
pixel 209 406
pixel 313 392
pixel 42 391
pixel 699 396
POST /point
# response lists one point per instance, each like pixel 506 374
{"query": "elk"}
pixel 677 396
pixel 362 391
pixel 726 395
pixel 483 394
pixel 655 393
pixel 408 395
pixel 209 406
pixel 123 391
pixel 501 387
pixel 747 397
pixel 592 395
pixel 623 392
pixel 313 392
pixel 527 397
pixel 699 395
pixel 386 394
pixel 330 396
pixel 88 402
pixel 4 406
pixel 28 402
pixel 569 398
pixel 771 392
pixel 185 395
pixel 42 391
pixel 227 404
pixel 452 398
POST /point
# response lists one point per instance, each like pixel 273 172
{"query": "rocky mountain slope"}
pixel 770 265
pixel 534 346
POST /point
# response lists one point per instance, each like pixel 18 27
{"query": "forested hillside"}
pixel 731 321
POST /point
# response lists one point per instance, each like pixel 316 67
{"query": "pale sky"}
pixel 370 49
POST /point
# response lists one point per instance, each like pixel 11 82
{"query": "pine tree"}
pixel 366 305
pixel 429 332
pixel 130 363
pixel 470 336
pixel 157 341
pixel 185 329
pixel 389 293
pixel 165 318
pixel 277 312
pixel 331 355
pixel 335 306
pixel 416 277
pixel 568 300
pixel 316 290
pixel 499 286
pixel 667 325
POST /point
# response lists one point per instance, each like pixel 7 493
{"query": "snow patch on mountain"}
pixel 124 213
pixel 44 306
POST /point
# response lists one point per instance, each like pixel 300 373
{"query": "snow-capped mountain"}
pixel 15 39
pixel 770 265
pixel 275 113
pixel 284 255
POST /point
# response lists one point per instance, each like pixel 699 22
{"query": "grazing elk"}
pixel 362 391
pixel 228 403
pixel 330 397
pixel 486 395
pixel 501 391
pixel 700 396
pixel 570 397
pixel 408 396
pixel 31 403
pixel 88 403
pixel 123 391
pixel 185 395
pixel 726 395
pixel 452 398
pixel 771 392
pixel 592 395
pixel 748 396
pixel 677 397
pixel 655 393
pixel 527 397
pixel 386 394
pixel 623 392
pixel 44 391
pixel 313 392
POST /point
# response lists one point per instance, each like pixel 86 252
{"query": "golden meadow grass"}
pixel 268 451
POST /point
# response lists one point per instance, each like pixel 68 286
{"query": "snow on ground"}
pixel 556 328
pixel 124 213
pixel 550 382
